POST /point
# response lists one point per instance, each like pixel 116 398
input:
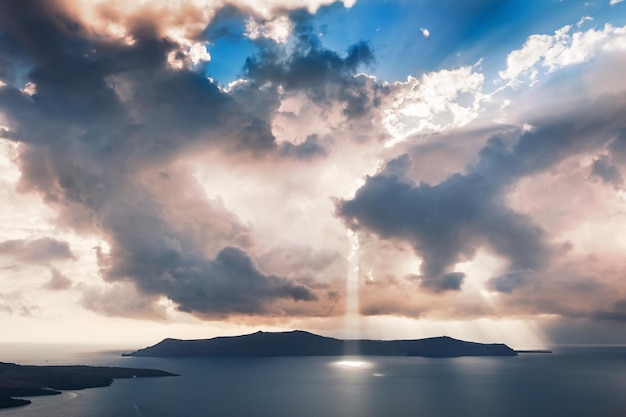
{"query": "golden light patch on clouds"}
pixel 573 206
pixel 478 271
pixel 180 20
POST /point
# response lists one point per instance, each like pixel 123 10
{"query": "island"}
pixel 27 380
pixel 302 343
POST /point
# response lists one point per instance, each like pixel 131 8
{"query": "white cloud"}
pixel 188 57
pixel 425 32
pixel 434 102
pixel 615 2
pixel 198 53
pixel 583 20
pixel 278 29
pixel 562 49
pixel 29 89
pixel 536 47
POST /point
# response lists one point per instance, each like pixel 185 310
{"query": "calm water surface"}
pixel 571 382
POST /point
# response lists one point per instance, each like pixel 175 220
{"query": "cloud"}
pixel 188 57
pixel 617 312
pixel 13 303
pixel 308 149
pixel 451 281
pixel 583 20
pixel 229 284
pixel 434 102
pixel 323 74
pixel 448 222
pixel 277 30
pixel 615 2
pixel 445 223
pixel 122 300
pixel 425 33
pixel 508 282
pixel 181 22
pixel 57 281
pixel 561 50
pixel 603 169
pixel 109 128
pixel 216 201
pixel 42 250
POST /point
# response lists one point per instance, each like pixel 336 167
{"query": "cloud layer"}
pixel 470 197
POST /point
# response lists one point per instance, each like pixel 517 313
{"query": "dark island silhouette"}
pixel 27 380
pixel 301 343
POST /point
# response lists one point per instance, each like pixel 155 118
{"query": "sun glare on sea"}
pixel 353 364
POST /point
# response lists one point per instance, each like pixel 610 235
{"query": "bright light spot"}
pixel 174 60
pixel 188 56
pixel 29 89
pixel 104 247
pixel 425 32
pixel 237 83
pixel 278 29
pixel 351 364
pixel 354 364
pixel 198 53
pixel 432 103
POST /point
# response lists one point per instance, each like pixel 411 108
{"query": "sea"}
pixel 573 381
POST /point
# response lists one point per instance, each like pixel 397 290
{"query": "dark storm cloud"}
pixel 323 74
pixel 229 283
pixel 445 223
pixel 448 222
pixel 42 250
pixel 104 119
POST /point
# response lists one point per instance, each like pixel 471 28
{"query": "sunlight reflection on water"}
pixel 351 364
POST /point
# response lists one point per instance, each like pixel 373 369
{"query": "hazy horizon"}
pixel 360 168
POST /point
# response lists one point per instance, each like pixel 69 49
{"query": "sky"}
pixel 360 168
